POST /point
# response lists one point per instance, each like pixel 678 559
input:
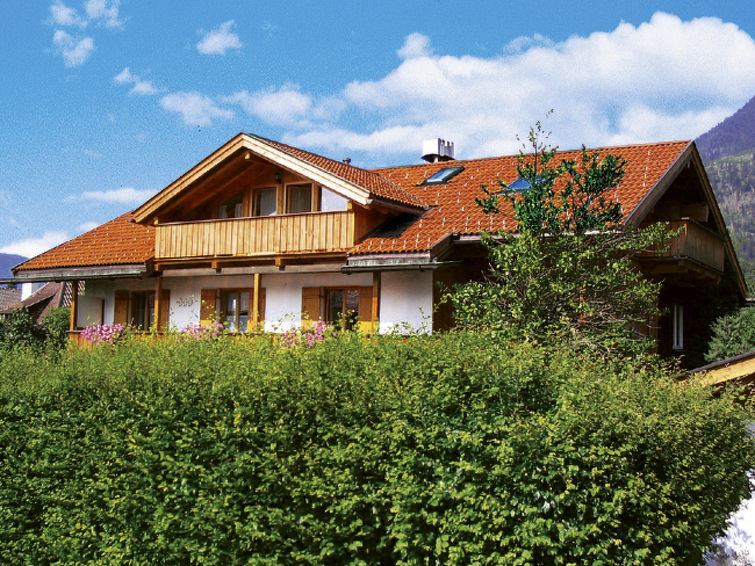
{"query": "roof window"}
pixel 443 175
pixel 520 184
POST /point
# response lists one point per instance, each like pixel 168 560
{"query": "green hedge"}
pixel 453 449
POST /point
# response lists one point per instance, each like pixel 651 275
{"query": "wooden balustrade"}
pixel 695 242
pixel 314 232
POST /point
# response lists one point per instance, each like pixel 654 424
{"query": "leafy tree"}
pixel 568 273
pixel 733 334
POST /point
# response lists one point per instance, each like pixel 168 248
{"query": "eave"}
pixel 80 273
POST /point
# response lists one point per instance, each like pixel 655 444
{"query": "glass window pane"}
pixel 230 305
pixel 243 311
pixel 332 202
pixel 335 305
pixel 264 202
pixel 299 198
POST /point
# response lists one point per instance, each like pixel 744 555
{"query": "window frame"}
pixel 314 197
pixel 222 298
pixel 256 192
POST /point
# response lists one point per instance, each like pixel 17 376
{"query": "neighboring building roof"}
pixel 48 296
pixel 9 297
pixel 451 205
pixel 118 242
pixel 738 368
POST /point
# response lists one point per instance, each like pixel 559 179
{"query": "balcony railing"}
pixel 694 242
pixel 314 232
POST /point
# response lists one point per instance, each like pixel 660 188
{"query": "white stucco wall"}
pixel 406 301
pixel 283 294
pixel 406 297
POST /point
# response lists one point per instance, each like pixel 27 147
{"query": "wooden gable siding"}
pixel 272 235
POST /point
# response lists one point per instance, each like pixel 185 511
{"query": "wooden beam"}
pixel 156 306
pixel 376 298
pixel 74 305
pixel 256 302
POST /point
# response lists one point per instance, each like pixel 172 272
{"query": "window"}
pixel 234 310
pixel 345 305
pixel 677 326
pixel 142 306
pixel 232 208
pixel 264 203
pixel 299 198
pixel 342 307
pixel 443 176
pixel 332 202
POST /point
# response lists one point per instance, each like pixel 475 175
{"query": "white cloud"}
pixel 196 109
pixel 103 11
pixel 139 86
pixel 284 106
pixel 86 226
pixel 124 77
pixel 74 52
pixel 639 83
pixel 415 45
pixel 218 41
pixel 31 247
pixel 124 195
pixel 63 15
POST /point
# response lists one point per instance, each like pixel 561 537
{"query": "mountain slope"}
pixel 7 261
pixel 732 136
pixel 733 180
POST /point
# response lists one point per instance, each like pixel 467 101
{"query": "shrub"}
pixel 105 333
pixel 452 449
pixel 57 321
pixel 19 329
pixel 199 331
pixel 732 335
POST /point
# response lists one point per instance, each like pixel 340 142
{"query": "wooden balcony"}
pixel 695 248
pixel 314 232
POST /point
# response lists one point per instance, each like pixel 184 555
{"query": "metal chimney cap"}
pixel 437 149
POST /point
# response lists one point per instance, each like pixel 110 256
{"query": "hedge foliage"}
pixel 453 449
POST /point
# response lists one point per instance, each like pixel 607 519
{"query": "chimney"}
pixel 437 150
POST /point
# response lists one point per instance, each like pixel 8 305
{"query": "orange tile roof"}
pixel 378 185
pixel 117 242
pixel 453 209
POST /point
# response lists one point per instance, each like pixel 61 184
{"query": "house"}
pixel 266 235
pixel 40 301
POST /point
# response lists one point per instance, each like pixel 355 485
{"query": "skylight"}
pixel 520 184
pixel 443 175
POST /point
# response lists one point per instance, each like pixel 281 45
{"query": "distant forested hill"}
pixel 7 261
pixel 728 151
pixel 733 180
pixel 734 135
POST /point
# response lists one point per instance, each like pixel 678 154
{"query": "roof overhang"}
pixel 690 157
pixel 262 149
pixel 79 273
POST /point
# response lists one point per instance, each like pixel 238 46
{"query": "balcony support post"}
pixel 256 302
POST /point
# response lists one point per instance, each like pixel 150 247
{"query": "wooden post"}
pixel 375 315
pixel 74 305
pixel 158 298
pixel 256 302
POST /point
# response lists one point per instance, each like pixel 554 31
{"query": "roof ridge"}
pixel 494 157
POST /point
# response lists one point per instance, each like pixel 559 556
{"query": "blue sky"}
pixel 103 103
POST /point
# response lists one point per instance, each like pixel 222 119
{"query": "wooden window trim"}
pixel 314 196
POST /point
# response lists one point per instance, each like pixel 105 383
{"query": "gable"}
pixel 251 159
